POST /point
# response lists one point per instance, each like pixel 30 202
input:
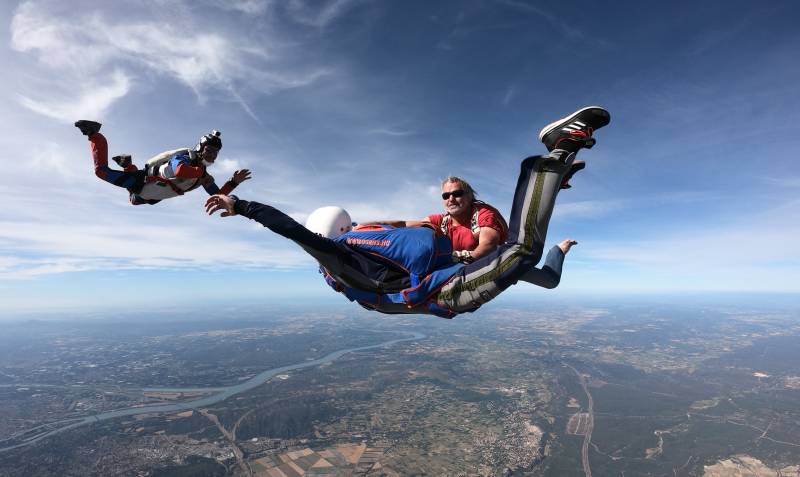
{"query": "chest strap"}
pixel 473 223
pixel 162 180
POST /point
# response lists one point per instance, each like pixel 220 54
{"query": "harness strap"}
pixel 168 182
pixel 473 223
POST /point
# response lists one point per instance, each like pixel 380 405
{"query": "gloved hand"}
pixel 463 256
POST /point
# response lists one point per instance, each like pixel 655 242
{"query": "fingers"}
pixel 241 176
pixel 215 203
pixel 210 209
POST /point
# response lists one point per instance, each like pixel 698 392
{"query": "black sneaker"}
pixel 124 160
pixel 575 167
pixel 88 127
pixel 574 131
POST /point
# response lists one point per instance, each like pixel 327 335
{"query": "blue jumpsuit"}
pixel 469 286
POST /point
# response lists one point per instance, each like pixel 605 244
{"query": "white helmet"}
pixel 329 221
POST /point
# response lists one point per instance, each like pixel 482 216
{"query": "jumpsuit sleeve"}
pixel 226 188
pixel 212 189
pixel 282 224
pixel 184 169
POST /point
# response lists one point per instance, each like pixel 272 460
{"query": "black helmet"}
pixel 211 139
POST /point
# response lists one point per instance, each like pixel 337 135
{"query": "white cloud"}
pixel 309 13
pixel 83 224
pixel 92 103
pixel 60 247
pixel 79 47
pixel 755 253
pixel 250 7
pixel 50 159
pixel 388 131
pixel 227 165
pixel 588 208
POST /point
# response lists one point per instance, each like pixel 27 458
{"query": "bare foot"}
pixel 567 244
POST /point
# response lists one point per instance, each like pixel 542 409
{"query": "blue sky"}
pixel 368 105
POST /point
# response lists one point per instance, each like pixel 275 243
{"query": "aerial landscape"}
pixel 495 238
pixel 653 389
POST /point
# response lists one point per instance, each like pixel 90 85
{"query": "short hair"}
pixel 463 184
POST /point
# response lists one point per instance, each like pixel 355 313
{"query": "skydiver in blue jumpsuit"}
pixel 376 281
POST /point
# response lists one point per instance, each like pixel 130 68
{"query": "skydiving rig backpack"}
pixel 419 254
pixel 160 183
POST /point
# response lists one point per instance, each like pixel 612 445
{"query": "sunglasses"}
pixel 456 193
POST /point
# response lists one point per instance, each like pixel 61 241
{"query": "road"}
pixel 231 440
pixel 587 439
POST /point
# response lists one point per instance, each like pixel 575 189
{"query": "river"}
pixel 222 393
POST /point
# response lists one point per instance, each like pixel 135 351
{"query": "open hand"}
pixel 220 202
pixel 241 176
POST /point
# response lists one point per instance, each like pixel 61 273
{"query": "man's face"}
pixel 457 201
pixel 209 154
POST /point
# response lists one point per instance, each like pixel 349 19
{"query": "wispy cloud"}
pixel 589 208
pixel 567 30
pixel 510 93
pixel 250 7
pixel 80 47
pixel 83 224
pixel 602 208
pixel 92 103
pixel 788 182
pixel 711 38
pixel 753 253
pixel 392 132
pixel 56 247
pixel 228 165
pixel 50 159
pixel 310 12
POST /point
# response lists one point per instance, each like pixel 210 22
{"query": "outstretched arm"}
pixel 238 177
pixel 319 247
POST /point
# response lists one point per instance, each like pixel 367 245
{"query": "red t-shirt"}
pixel 461 235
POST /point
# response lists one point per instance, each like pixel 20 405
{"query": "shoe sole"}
pixel 566 120
pixel 85 124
